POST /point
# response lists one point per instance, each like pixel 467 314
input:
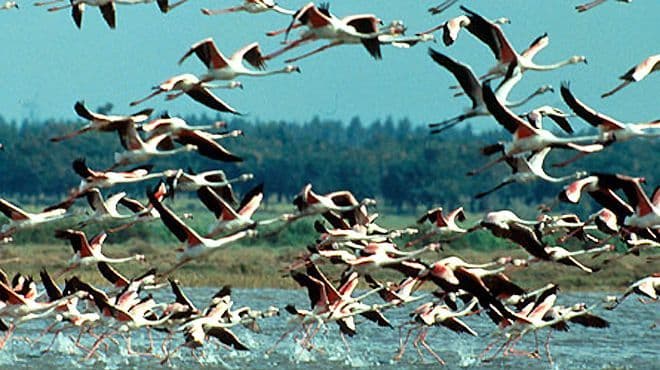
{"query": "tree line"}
pixel 398 162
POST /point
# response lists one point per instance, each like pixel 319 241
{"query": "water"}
pixel 629 343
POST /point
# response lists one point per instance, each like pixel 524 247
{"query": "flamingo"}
pixel 472 87
pixel 9 5
pixel 215 179
pixel 101 122
pixel 321 24
pixel 88 251
pixel 452 27
pixel 103 211
pixel 648 286
pixel 610 128
pixel 492 35
pixel 432 314
pixel 647 213
pixel 442 7
pixel 106 179
pixel 145 281
pixel 199 91
pixel 637 73
pixel 600 186
pixel 19 219
pixel 163 5
pixel 139 150
pixel 591 4
pixel 223 68
pixel 526 137
pixel 173 125
pixel 195 245
pixel 444 226
pixel 527 169
pixel 251 6
pixel 107 8
pixel 228 219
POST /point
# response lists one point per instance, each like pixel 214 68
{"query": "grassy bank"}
pixel 261 266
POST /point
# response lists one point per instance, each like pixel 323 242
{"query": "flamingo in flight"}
pixel 228 219
pixel 591 4
pixel 102 122
pixel 103 210
pixel 493 36
pixel 20 219
pixel 452 28
pixel 199 91
pixel 637 73
pixel 88 251
pixel 196 246
pixel 529 168
pixel 223 68
pixel 472 87
pixel 251 6
pixel 526 137
pixel 106 179
pixel 321 24
pixel 137 150
pixel 648 286
pixel 441 7
pixel 610 128
pixel 433 314
pixel 216 180
pixel 107 8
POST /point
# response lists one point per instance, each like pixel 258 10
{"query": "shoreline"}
pixel 263 267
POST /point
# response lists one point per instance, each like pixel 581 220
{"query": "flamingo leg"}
pixel 290 46
pixel 325 47
pixel 416 344
pixel 222 11
pixel 136 102
pixel 420 239
pixel 499 186
pixel 587 6
pixel 486 166
pixel 176 4
pixel 42 3
pixel 174 95
pixel 57 8
pixel 442 7
pixel 280 339
pixel 403 344
pixel 281 31
pixel 8 335
pixel 611 92
pixel 431 351
pixel 70 135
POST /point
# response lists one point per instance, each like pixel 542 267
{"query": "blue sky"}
pixel 48 63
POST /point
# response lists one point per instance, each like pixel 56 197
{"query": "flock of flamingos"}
pixel 348 234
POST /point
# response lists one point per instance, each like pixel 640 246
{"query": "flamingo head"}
pixel 576 59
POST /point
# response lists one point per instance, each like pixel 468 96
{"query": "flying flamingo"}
pixel 472 87
pixel 610 128
pixel 251 6
pixel 530 168
pixel 432 314
pixel 321 24
pixel 228 219
pixel 493 36
pixel 101 122
pixel 103 211
pixel 88 252
pixel 442 7
pixel 648 286
pixel 180 180
pixel 195 246
pixel 223 68
pixel 591 4
pixel 452 27
pixel 192 86
pixel 137 150
pixel 444 226
pixel 637 73
pixel 526 137
pixel 107 8
pixel 20 219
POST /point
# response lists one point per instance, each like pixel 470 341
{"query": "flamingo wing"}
pixel 463 74
pixel 587 113
pixel 173 222
pixel 537 45
pixel 252 54
pixel 366 24
pixel 53 291
pixel 108 12
pixel 251 201
pixel 204 96
pixel 208 53
pixel 207 146
pixel 492 35
pixel 504 116
pixel 112 275
pixel 227 337
pixel 216 204
pixel 180 295
pixel 13 212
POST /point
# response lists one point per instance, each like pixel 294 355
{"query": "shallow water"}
pixel 629 343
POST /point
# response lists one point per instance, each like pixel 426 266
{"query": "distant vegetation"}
pixel 398 163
